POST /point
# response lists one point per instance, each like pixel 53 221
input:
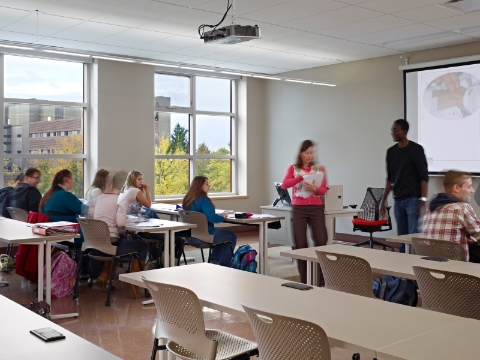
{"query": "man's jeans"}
pixel 406 217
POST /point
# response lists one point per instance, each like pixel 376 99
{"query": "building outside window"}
pixel 194 125
pixel 44 111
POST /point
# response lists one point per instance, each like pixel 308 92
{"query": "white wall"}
pixel 351 122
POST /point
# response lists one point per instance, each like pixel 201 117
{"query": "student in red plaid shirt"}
pixel 450 217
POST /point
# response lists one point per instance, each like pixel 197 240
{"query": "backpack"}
pixel 64 273
pixel 244 259
pixel 5 200
pixel 396 290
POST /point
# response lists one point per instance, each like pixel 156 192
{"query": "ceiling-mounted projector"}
pixel 231 34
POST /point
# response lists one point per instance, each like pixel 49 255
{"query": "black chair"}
pixel 369 220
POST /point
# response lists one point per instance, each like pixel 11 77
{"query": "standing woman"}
pixel 308 205
pixel 98 186
pixel 196 199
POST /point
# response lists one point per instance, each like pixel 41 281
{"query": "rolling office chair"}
pixel 369 220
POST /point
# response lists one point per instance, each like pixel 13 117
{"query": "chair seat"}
pixel 228 346
pixel 363 222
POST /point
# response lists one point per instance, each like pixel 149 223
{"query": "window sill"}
pixel 215 197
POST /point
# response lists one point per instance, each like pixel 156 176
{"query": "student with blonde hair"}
pixel 134 191
pixel 98 186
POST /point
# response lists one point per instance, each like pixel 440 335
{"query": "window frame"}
pixel 83 105
pixel 192 112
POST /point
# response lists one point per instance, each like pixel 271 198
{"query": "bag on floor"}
pixel 6 262
pixel 396 290
pixel 244 259
pixel 64 273
pixel 41 308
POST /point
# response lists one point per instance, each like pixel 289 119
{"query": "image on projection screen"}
pixel 449 117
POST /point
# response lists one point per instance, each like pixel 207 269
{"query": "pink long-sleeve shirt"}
pixel 294 176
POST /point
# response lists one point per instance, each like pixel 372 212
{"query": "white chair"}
pixel 180 322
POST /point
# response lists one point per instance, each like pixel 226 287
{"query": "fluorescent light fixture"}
pixel 234 73
pixel 16 47
pixel 323 84
pixel 266 77
pixel 198 69
pixel 158 64
pixel 67 53
pixel 113 59
pixel 299 81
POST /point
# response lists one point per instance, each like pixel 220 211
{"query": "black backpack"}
pixel 5 200
pixel 396 290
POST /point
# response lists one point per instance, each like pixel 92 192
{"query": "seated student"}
pixel 26 195
pixel 450 217
pixel 5 196
pixel 106 210
pixel 98 187
pixel 134 191
pixel 196 199
pixel 59 204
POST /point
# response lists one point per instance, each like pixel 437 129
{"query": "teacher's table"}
pixel 352 322
pixel 19 344
pixel 382 262
pixel 17 232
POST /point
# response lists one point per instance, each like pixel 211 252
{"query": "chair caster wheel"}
pixel 107 303
pixel 75 296
pixel 356 356
pixel 89 283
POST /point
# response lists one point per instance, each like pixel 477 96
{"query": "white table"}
pixel 261 220
pixel 286 211
pixel 356 323
pixel 17 232
pixel 19 344
pixel 405 239
pixel 383 262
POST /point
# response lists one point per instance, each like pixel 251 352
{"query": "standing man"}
pixel 407 175
pixel 26 195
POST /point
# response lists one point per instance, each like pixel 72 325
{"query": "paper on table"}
pixel 51 224
pixel 315 179
pixel 150 223
pixel 260 216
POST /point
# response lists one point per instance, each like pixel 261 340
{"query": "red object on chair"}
pixel 363 222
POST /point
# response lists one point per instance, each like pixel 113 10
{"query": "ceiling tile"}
pixel 304 39
pixel 434 43
pixel 82 9
pixel 243 6
pixel 239 53
pixel 353 2
pixel 8 16
pixel 138 12
pixel 272 33
pixel 391 6
pixel 405 32
pixel 426 13
pixel 268 58
pixel 133 38
pixel 169 44
pixel 204 62
pixel 46 25
pixel 173 57
pixel 186 3
pixel 117 50
pixel 201 50
pixel 458 22
pixel 90 31
pixel 29 5
pixel 365 26
pixel 293 10
pixel 64 43
pixel 332 18
pixel 183 21
pixel 19 37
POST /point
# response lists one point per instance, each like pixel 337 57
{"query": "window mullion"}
pixel 193 130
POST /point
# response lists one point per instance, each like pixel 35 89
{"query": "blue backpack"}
pixel 244 259
pixel 396 290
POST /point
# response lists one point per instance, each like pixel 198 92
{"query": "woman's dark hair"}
pixel 303 147
pixel 194 192
pixel 100 180
pixel 58 179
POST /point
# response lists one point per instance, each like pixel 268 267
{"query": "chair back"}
pixel 96 235
pixel 198 218
pixel 438 248
pixel 449 292
pixel 284 338
pixel 18 214
pixel 371 204
pixel 180 318
pixel 346 273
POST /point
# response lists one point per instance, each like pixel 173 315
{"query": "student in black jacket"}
pixel 26 195
pixel 5 194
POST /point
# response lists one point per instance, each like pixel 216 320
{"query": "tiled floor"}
pixel 126 327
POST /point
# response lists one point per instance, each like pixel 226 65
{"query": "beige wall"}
pixel 351 122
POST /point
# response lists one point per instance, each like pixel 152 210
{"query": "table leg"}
pixel 309 273
pixel 166 250
pixel 172 247
pixel 263 257
pixel 314 274
pixel 407 248
pixel 40 271
pixel 329 223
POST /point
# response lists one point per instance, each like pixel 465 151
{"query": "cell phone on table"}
pixel 47 334
pixel 297 286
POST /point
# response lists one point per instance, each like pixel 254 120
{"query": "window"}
pixel 194 125
pixel 43 99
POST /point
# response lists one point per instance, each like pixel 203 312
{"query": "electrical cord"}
pixel 201 28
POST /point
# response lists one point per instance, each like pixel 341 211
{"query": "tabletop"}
pixel 17 232
pixel 166 225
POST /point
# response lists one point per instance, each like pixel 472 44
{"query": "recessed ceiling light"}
pixel 158 64
pixel 234 73
pixel 67 53
pixel 324 84
pixel 113 59
pixel 193 68
pixel 299 81
pixel 266 77
pixel 16 47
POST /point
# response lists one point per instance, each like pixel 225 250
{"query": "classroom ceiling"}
pixel 296 34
